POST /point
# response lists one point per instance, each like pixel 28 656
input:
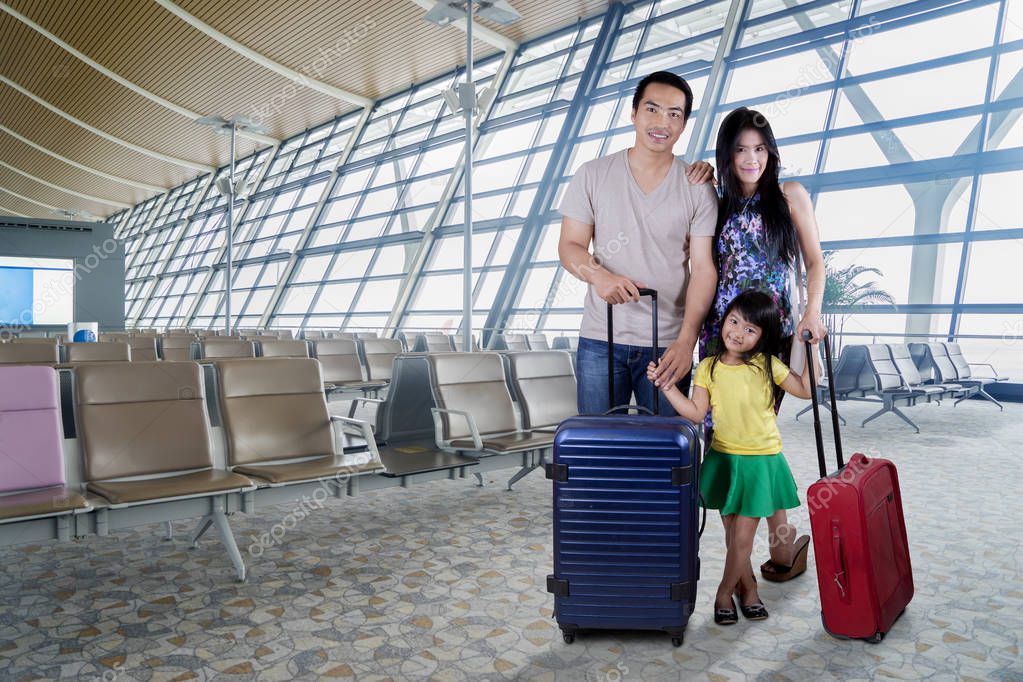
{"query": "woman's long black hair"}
pixel 758 309
pixel 778 227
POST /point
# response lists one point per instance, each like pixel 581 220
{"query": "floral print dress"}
pixel 743 263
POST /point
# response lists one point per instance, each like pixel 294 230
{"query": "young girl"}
pixel 744 473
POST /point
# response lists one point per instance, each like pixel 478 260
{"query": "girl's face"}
pixel 740 336
pixel 749 158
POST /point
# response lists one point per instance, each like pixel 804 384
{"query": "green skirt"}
pixel 748 485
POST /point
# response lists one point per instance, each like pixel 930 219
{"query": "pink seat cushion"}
pixel 31 452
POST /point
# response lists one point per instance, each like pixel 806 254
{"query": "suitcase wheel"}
pixel 569 637
pixel 878 636
pixel 676 641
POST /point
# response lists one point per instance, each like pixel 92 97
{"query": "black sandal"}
pixel 753 611
pixel 779 573
pixel 726 616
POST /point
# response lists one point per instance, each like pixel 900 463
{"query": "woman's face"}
pixel 749 158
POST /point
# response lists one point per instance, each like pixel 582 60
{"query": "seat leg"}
pixel 521 473
pixel 204 525
pixel 904 418
pixel 825 405
pixel 227 537
pixel 877 414
pixel 170 531
pixel 988 396
pixel 479 479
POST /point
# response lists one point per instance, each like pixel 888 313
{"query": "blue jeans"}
pixel 630 363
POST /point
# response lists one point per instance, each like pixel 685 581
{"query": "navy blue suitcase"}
pixel 626 505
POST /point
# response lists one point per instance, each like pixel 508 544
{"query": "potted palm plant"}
pixel 842 288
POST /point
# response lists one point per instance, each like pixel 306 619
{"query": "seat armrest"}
pixel 362 428
pixel 902 379
pixel 477 440
pixel 362 399
pixel 994 372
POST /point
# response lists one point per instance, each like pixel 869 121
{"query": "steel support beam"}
pixel 515 274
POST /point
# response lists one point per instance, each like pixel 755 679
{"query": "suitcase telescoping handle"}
pixel 816 407
pixel 652 293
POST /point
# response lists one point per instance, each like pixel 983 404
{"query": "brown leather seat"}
pixel 544 383
pixel 514 442
pixel 285 349
pixel 111 351
pixel 147 419
pixel 21 353
pixel 277 424
pixel 216 349
pixel 260 338
pixel 475 383
pixel 516 342
pixel 339 359
pixel 143 349
pixel 177 347
pixel 379 355
pixel 184 485
pixel 315 469
pixel 40 502
pixel 434 342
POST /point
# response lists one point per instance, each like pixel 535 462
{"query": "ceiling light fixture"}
pixel 231 188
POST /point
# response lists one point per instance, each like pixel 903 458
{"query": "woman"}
pixel 763 226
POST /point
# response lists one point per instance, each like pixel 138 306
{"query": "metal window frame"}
pixel 138 224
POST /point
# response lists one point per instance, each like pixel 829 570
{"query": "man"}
pixel 650 226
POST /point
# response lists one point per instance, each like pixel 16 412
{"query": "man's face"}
pixel 659 119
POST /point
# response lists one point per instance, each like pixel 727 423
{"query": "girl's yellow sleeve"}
pixel 701 377
pixel 780 370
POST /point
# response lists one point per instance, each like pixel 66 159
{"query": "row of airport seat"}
pixel 145 440
pixel 436 342
pixel 143 437
pixel 904 375
pixel 476 405
pixel 416 341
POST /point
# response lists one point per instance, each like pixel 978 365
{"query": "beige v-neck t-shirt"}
pixel 642 236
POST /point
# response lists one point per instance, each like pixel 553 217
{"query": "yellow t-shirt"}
pixel 742 405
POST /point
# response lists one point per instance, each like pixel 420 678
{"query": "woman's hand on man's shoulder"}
pixel 700 172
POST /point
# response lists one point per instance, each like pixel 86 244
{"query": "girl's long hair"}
pixel 758 309
pixel 779 230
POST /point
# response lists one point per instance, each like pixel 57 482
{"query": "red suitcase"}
pixel 859 537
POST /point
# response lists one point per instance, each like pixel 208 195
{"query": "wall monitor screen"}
pixel 36 291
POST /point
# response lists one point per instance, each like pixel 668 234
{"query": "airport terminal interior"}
pixel 287 345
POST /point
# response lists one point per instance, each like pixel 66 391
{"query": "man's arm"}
pixel 703 281
pixel 574 252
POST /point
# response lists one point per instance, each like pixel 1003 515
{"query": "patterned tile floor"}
pixel 445 581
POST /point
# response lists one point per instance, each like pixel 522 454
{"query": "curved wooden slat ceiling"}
pixel 372 48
